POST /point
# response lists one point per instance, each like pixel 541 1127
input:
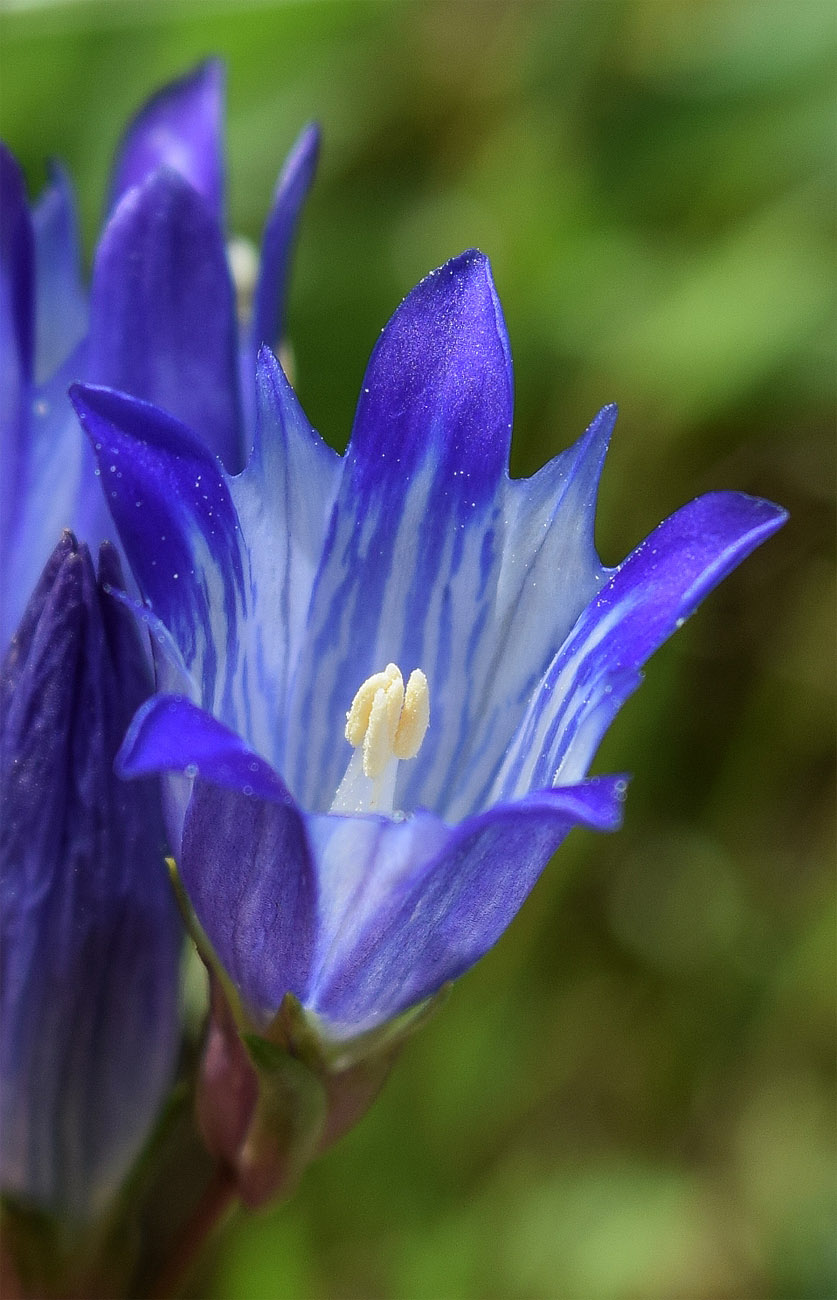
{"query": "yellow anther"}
pixel 415 717
pixel 357 719
pixel 389 722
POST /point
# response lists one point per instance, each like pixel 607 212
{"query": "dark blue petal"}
pixel 240 846
pixel 279 236
pixel 171 734
pixel 424 901
pixel 416 524
pixel 246 866
pixel 17 327
pixel 90 935
pixel 162 319
pixel 438 387
pixel 651 593
pixel 61 305
pixel 171 504
pixel 181 127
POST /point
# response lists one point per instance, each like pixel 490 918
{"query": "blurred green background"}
pixel 632 1096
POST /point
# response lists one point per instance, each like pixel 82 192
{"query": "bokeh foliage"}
pixel 631 1098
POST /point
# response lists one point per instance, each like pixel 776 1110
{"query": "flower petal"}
pixel 280 233
pixel 427 456
pixel 424 901
pixel 544 571
pixel 90 935
pixel 172 507
pixel 284 499
pixel 181 127
pixel 243 854
pixel 61 305
pixel 163 324
pixel 646 599
pixel 17 330
pixel 55 489
pixel 438 387
pixel 246 866
pixel 171 734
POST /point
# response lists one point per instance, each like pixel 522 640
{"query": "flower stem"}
pixel 214 1207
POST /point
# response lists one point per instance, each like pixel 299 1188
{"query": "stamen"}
pixel 243 258
pixel 415 717
pixel 390 724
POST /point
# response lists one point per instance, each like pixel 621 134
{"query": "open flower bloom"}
pixel 360 864
pixel 91 939
pixel 161 320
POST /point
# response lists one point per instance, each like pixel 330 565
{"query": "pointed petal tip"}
pixel 470 265
pixel 600 429
pixel 440 375
pixel 596 802
pixel 742 514
pixel 170 733
pixel 307 145
pixel 179 126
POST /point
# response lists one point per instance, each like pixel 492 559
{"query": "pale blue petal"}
pixel 425 901
pixel 60 300
pixel 544 571
pixel 284 500
pixel 16 336
pixel 646 599
pixel 56 489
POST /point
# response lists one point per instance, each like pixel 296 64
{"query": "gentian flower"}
pixel 161 320
pixel 343 871
pixel 91 939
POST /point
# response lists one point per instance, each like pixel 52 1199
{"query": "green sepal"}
pixel 207 953
pixel 287 1122
pixel 308 1036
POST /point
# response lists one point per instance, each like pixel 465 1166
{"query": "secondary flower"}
pixel 361 880
pixel 161 320
pixel 89 1030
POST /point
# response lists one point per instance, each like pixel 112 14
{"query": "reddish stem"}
pixel 212 1209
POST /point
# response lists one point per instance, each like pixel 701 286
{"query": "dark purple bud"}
pixel 90 934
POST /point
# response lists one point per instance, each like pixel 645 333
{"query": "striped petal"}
pixel 545 570
pixel 650 595
pixel 171 504
pixel 409 905
pixel 359 917
pixel 284 500
pixel 406 552
pixel 181 127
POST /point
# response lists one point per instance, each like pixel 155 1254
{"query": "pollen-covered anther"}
pixel 388 721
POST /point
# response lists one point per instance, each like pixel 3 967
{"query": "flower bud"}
pixel 90 934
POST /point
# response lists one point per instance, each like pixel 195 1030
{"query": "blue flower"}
pixel 161 320
pixel 89 1020
pixel 361 880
